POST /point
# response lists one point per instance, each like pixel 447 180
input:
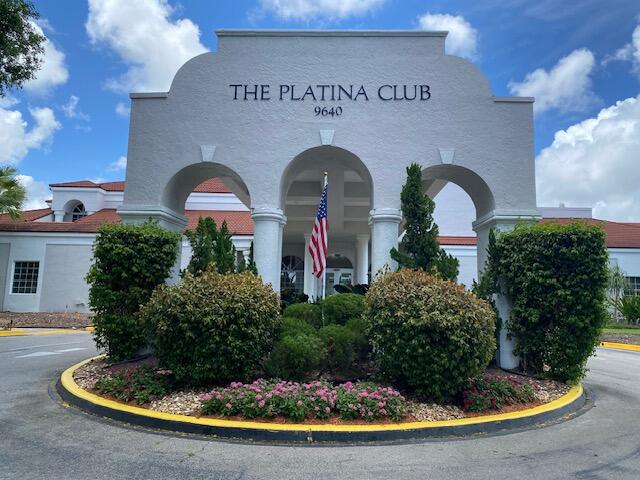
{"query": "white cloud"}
pixel 462 39
pixel 120 165
pixel 566 87
pixel 145 37
pixel 53 70
pixel 123 109
pixel 16 140
pixel 70 109
pixel 324 9
pixel 629 53
pixel 595 163
pixel 37 192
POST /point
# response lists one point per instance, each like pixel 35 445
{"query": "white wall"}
pixel 628 259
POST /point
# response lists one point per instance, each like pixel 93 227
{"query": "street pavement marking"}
pixel 46 353
pixel 31 347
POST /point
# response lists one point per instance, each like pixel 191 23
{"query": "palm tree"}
pixel 12 193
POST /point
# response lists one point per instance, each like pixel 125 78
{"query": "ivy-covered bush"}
pixel 141 384
pixel 309 312
pixel 340 344
pixel 295 357
pixel 488 392
pixel 214 327
pixel 342 307
pixel 556 276
pixel 428 335
pixel 129 261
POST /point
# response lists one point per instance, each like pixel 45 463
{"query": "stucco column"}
pixel 362 257
pixel 384 223
pixel 267 243
pixel 58 216
pixel 500 223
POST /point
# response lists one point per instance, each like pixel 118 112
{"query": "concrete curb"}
pixel 568 404
pixel 621 346
pixel 14 332
pixel 18 332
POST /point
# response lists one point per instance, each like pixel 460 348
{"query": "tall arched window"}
pixel 78 212
pixel 292 273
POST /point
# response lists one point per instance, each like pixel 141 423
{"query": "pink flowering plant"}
pixel 299 401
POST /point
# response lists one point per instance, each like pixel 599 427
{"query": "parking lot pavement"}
pixel 41 438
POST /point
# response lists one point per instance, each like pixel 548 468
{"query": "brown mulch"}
pixel 622 338
pixel 188 402
pixel 45 320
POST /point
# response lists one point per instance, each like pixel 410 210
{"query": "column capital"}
pixel 307 237
pixel 393 215
pixel 363 237
pixel 266 212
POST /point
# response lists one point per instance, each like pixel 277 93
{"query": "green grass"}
pixel 621 330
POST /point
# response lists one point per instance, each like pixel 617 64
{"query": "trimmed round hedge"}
pixel 213 328
pixel 428 335
pixel 342 307
pixel 309 312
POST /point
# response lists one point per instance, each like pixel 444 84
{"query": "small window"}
pixel 633 286
pixel 78 212
pixel 25 277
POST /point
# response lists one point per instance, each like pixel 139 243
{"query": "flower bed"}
pixel 141 383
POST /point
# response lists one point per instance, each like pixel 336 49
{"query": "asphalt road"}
pixel 40 438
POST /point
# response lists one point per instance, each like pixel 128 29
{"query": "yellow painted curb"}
pixel 70 385
pixel 12 333
pixel 89 329
pixel 621 346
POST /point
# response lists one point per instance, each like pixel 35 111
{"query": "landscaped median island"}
pixel 143 383
pixel 220 352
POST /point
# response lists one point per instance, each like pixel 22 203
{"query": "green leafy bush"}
pixel 488 392
pixel 428 334
pixel 141 384
pixel 309 312
pixel 629 307
pixel 295 357
pixel 341 308
pixel 359 328
pixel 556 276
pixel 293 326
pixel 340 344
pixel 129 261
pixel 214 327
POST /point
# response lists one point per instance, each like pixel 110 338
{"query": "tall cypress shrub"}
pixel 129 262
pixel 556 276
pixel 419 247
pixel 211 246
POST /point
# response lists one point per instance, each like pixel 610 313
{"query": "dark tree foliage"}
pixel 129 262
pixel 419 247
pixel 556 276
pixel 21 45
pixel 211 246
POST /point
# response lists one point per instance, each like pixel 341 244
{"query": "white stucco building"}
pixel 264 116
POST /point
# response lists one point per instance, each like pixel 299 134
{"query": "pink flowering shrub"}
pixel 298 401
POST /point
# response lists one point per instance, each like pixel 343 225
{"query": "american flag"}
pixel 318 244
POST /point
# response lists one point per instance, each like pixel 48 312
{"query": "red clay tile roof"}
pixel 619 234
pixel 213 185
pixel 239 222
pixel 456 241
pixel 27 215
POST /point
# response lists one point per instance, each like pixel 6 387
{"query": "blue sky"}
pixel 577 57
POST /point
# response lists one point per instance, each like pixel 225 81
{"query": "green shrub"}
pixel 309 312
pixel 488 392
pixel 293 326
pixel 214 327
pixel 129 261
pixel 340 344
pixel 295 357
pixel 359 328
pixel 141 384
pixel 629 307
pixel 556 276
pixel 341 308
pixel 428 334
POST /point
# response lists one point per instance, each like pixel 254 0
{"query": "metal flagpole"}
pixel 324 272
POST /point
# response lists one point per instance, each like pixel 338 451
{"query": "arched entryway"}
pixel 350 197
